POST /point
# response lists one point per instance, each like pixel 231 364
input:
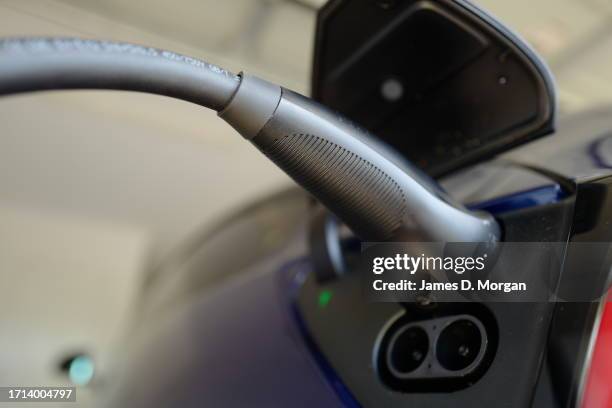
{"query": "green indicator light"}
pixel 324 298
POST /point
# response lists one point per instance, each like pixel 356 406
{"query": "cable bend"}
pixel 338 162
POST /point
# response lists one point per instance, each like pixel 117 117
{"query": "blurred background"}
pixel 97 186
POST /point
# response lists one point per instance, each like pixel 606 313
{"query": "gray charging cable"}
pixel 378 195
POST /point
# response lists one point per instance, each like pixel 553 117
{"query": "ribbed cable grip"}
pixel 331 173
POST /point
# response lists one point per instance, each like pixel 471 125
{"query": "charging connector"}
pixel 378 195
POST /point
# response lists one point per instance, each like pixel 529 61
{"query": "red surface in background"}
pixel 598 391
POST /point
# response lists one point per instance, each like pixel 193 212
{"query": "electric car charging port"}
pixel 435 354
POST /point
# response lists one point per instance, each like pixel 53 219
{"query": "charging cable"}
pixel 376 193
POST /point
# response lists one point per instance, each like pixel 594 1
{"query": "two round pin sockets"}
pixel 438 354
